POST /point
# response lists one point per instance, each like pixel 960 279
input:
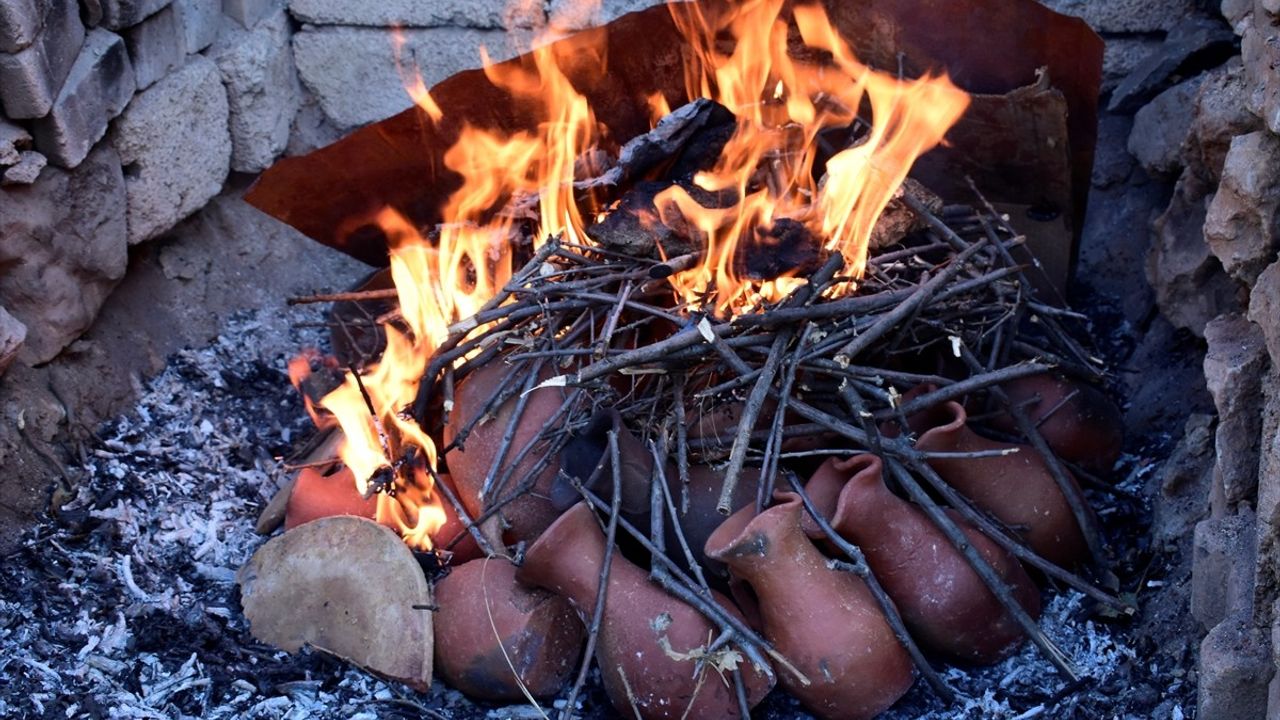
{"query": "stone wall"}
pixel 1213 129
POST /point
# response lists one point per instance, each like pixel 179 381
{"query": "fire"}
pixel 765 175
pixel 782 104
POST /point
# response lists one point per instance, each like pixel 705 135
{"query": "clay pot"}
pixel 493 635
pixel 1077 420
pixel 942 600
pixel 1016 488
pixel 316 495
pixel 453 535
pixel 824 621
pixel 590 449
pixel 567 560
pixel 469 465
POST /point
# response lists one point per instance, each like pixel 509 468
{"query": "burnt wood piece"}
pixel 681 130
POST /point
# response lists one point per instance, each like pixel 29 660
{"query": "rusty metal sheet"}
pixel 1025 141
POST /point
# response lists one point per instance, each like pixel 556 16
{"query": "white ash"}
pixel 124 605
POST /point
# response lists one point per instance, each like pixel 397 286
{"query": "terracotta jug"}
pixel 589 449
pixel 493 635
pixel 639 618
pixel 1077 420
pixel 1016 488
pixel 316 495
pixel 942 600
pixel 471 464
pixel 823 620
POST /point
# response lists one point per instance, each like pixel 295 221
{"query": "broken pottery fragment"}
pixel 349 587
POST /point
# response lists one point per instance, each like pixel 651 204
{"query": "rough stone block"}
pixel 120 14
pixel 1260 50
pixel 1233 368
pixel 65 247
pixel 20 23
pixel 1235 11
pixel 26 170
pixel 1264 309
pixel 487 14
pixel 12 334
pixel 1223 553
pixel 1184 481
pixel 1218 115
pixel 575 15
pixel 13 140
pixel 1243 222
pixel 1126 15
pixel 30 79
pixel 1190 286
pixel 1266 593
pixel 98 89
pixel 175 147
pixel 367 86
pixel 1121 55
pixel 1196 38
pixel 1162 126
pixel 157 46
pixel 262 91
pixel 249 12
pixel 1235 668
pixel 200 22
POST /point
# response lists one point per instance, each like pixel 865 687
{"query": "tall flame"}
pixel 765 174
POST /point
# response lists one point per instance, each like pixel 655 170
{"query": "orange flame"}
pixel 782 104
pixel 764 174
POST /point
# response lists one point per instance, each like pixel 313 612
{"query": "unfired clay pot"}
pixel 1016 488
pixel 316 495
pixel 493 634
pixel 823 620
pixel 470 464
pixel 942 600
pixel 638 618
pixel 1077 420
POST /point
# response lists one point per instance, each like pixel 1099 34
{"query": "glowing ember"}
pixel 766 171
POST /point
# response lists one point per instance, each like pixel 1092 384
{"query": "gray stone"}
pixel 1233 369
pixel 13 140
pixel 1236 11
pixel 1222 558
pixel 1264 309
pixel 175 146
pixel 26 170
pixel 120 14
pixel 98 89
pixel 1218 115
pixel 20 23
pixel 200 21
pixel 1235 668
pixel 262 91
pixel 157 45
pixel 486 14
pixel 65 247
pixel 1190 286
pixel 311 129
pixel 1260 49
pixel 1184 480
pixel 1243 222
pixel 12 334
pixel 249 12
pixel 1267 580
pixel 1121 55
pixel 1126 15
pixel 1192 39
pixel 30 78
pixel 367 85
pixel 1161 127
pixel 1270 6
